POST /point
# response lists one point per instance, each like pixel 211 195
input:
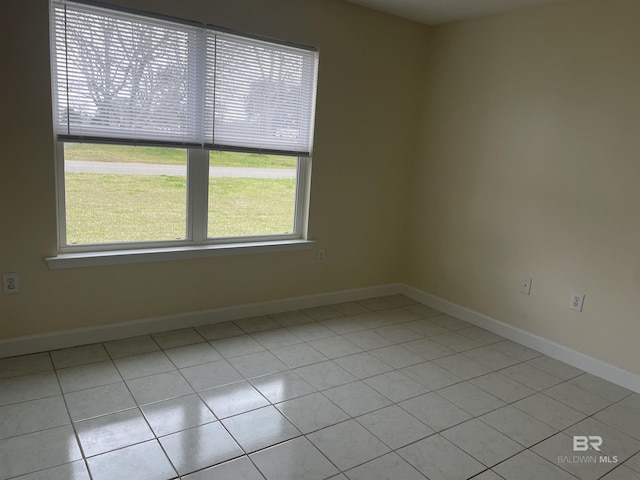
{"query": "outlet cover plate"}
pixel 525 285
pixel 10 283
pixel 576 302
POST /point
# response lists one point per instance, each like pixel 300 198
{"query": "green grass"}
pixel 122 208
pixel 173 156
pixel 250 206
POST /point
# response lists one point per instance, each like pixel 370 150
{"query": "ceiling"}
pixel 433 12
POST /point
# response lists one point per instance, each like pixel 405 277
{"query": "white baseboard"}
pixel 104 333
pixel 589 364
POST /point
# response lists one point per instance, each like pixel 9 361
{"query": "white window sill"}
pixel 121 257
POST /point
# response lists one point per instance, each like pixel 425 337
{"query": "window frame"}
pixel 197 215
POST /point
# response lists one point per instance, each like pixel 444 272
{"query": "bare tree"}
pixel 256 85
pixel 119 67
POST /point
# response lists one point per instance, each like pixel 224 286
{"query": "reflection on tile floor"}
pixel 385 388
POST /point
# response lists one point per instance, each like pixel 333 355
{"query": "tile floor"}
pixel 379 389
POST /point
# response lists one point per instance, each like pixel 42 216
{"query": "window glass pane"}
pixel 251 194
pixel 120 193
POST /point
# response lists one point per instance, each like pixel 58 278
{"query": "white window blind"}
pixel 264 94
pixel 130 78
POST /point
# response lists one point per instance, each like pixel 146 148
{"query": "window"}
pixel 172 133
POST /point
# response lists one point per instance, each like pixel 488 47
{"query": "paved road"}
pixel 174 170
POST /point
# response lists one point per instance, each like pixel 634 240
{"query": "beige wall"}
pixel 529 164
pixel 364 136
pixel 526 132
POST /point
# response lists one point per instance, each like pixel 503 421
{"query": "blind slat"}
pixel 130 78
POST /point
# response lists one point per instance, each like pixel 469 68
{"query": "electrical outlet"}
pixel 576 302
pixel 320 256
pixel 10 282
pixel 525 285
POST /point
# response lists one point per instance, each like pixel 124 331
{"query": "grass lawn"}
pixel 116 208
pixel 250 206
pixel 175 156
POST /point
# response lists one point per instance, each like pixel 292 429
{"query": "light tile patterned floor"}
pixel 382 389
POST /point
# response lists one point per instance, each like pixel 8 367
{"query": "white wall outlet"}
pixel 525 285
pixel 577 300
pixel 10 282
pixel 320 256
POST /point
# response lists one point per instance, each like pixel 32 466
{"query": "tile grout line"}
pixel 250 380
pixel 71 422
